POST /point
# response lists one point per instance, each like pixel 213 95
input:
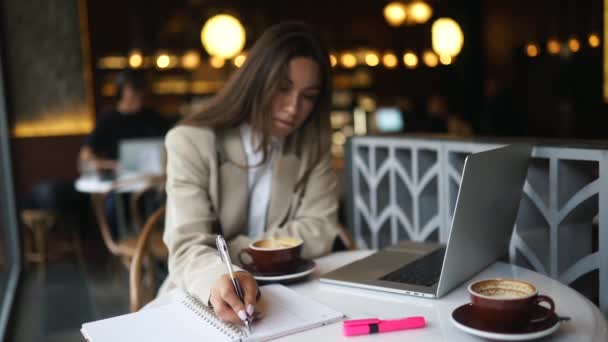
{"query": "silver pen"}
pixel 222 248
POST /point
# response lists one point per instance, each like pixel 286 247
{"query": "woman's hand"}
pixel 227 305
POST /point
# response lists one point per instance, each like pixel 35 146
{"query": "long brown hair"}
pixel 247 95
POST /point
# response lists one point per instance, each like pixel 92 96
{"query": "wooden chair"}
pixel 140 292
pixel 38 223
pixel 125 248
pixel 347 239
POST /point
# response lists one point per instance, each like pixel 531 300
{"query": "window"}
pixel 10 262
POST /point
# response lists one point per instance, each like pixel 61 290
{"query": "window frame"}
pixel 9 220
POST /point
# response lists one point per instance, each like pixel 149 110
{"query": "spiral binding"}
pixel 207 314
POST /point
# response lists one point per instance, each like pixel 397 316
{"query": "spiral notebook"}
pixel 187 319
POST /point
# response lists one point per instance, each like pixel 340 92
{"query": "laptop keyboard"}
pixel 423 271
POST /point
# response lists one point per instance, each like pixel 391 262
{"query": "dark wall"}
pixel 553 96
pixel 45 158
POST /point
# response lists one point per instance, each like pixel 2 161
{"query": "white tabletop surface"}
pixel 94 184
pixel 587 323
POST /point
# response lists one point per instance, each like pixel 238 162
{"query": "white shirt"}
pixel 259 180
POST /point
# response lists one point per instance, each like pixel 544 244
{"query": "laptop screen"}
pixel 143 155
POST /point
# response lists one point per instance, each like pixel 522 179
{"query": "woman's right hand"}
pixel 227 305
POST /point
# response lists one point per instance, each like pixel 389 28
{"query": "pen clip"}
pixel 365 321
pixel 222 249
pixel 220 243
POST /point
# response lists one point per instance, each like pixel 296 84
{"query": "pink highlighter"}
pixel 374 325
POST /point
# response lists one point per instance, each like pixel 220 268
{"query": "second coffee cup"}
pixel 278 255
pixel 508 303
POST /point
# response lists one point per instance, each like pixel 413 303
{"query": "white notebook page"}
pixel 171 322
pixel 285 312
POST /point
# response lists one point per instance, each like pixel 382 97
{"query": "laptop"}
pixel 484 217
pixel 141 155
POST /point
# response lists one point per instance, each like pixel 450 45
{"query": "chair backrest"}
pixel 142 155
pixel 405 189
pixel 138 289
pixel 346 238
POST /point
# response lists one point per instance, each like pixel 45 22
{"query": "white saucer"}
pixel 292 276
pixel 524 336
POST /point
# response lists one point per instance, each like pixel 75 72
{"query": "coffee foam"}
pixel 277 243
pixel 503 293
pixel 504 289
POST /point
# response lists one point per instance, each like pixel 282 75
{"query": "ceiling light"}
pixel 223 36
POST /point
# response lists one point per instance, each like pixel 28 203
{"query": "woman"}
pixel 254 163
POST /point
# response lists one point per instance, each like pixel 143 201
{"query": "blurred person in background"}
pixel 499 116
pixel 406 106
pixel 130 119
pixel 437 114
pixel 441 118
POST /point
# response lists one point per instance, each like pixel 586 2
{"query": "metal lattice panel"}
pixel 395 186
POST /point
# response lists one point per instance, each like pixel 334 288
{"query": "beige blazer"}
pixel 207 194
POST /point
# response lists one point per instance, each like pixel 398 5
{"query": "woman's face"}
pixel 296 97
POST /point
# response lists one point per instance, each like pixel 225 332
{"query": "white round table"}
pixel 93 184
pixel 587 322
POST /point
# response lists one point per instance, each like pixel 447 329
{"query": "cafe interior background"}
pixel 445 68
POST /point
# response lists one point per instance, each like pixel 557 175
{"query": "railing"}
pixel 406 187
